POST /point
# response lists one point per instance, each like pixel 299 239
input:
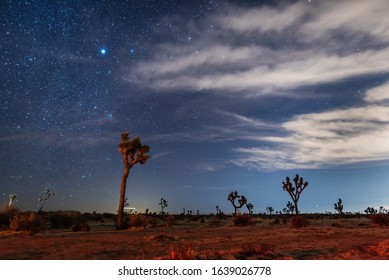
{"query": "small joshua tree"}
pixel 163 203
pixel 339 206
pixel 133 152
pixel 270 210
pixel 295 190
pixel 42 200
pixel 290 207
pixel 370 211
pixel 233 196
pixel 12 197
pixel 250 207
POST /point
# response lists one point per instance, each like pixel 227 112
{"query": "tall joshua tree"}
pixel 233 196
pixel 133 152
pixel 339 206
pixel 163 203
pixel 295 190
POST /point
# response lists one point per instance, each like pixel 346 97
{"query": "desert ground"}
pixel 193 237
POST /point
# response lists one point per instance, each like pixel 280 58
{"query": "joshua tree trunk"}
pixel 126 172
pixel 296 207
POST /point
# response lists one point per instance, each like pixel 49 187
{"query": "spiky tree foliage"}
pixel 370 211
pixel 133 152
pixel 241 200
pixel 339 206
pixel 250 207
pixel 11 197
pixel 290 207
pixel 163 203
pixel 295 190
pixel 42 199
pixel 270 210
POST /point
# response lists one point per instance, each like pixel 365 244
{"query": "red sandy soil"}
pixel 351 239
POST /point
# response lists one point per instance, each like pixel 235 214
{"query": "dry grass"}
pixel 354 238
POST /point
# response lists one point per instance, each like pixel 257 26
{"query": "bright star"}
pixel 103 51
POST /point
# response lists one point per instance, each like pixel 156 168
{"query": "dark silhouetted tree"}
pixel 133 152
pixel 163 203
pixel 241 200
pixel 290 207
pixel 250 207
pixel 295 190
pixel 370 211
pixel 339 206
pixel 270 210
pixel 42 199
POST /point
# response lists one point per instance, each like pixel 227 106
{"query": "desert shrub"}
pixel 242 220
pixel 183 251
pixel 280 220
pixel 263 251
pixel 64 219
pixel 80 227
pixel 215 221
pixel 29 222
pixel 170 221
pixel 6 214
pixel 298 222
pixel 138 221
pixel 221 215
pixel 109 216
pixel 380 219
pixel 94 217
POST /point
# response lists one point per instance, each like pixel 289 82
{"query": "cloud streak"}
pixel 278 50
pixel 304 49
pixel 329 138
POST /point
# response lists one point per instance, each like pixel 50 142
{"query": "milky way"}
pixel 230 96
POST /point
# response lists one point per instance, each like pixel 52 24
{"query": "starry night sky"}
pixel 230 95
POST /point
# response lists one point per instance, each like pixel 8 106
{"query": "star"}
pixel 103 51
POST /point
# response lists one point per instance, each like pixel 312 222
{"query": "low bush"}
pixel 215 221
pixel 242 220
pixel 64 219
pixel 298 222
pixel 183 251
pixel 80 227
pixel 138 221
pixel 6 215
pixel 380 219
pixel 263 251
pixel 29 222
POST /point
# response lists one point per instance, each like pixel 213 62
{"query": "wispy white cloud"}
pixel 276 50
pixel 378 94
pixel 329 138
pixel 243 62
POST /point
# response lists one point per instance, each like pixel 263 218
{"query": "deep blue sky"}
pixel 230 95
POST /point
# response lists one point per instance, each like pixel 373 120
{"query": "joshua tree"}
pixel 133 152
pixel 42 200
pixel 290 207
pixel 339 206
pixel 295 190
pixel 370 211
pixel 12 197
pixel 270 210
pixel 250 207
pixel 382 210
pixel 233 196
pixel 163 204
